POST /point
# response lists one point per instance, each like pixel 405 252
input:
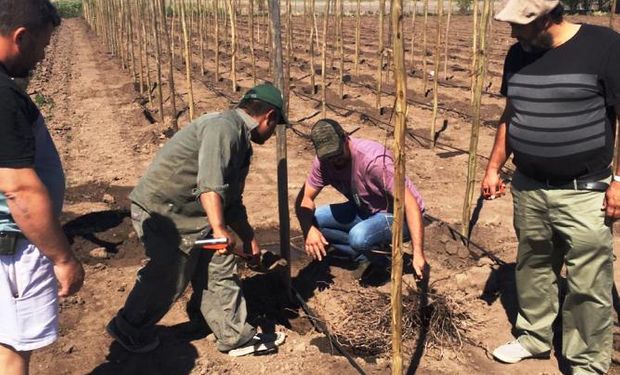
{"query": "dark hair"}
pixel 255 107
pixel 557 14
pixel 31 14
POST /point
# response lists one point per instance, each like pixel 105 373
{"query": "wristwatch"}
pixel 617 178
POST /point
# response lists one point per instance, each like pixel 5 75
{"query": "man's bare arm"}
pixel 415 224
pixel 32 209
pixel 611 205
pixel 492 185
pixel 315 242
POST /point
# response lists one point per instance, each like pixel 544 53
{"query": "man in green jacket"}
pixel 194 188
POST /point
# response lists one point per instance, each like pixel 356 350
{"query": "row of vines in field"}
pixel 154 37
pixel 210 41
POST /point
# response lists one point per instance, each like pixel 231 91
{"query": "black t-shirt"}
pixel 17 116
pixel 563 118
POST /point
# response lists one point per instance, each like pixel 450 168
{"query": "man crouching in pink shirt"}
pixel 361 228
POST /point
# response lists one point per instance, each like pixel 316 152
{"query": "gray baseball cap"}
pixel 328 138
pixel 522 12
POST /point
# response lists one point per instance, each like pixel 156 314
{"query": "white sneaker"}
pixel 513 352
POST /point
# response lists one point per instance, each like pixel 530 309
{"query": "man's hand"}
pixel 315 244
pixel 225 233
pixel 419 266
pixel 70 276
pixel 611 204
pixel 492 185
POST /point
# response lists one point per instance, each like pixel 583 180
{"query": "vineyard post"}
pixel 340 37
pixel 400 79
pixel 447 41
pixel 358 25
pixel 413 17
pixel 436 68
pixel 424 48
pixel 233 43
pixel 169 44
pixel 380 49
pixel 217 41
pixel 160 96
pixel 188 60
pixel 612 11
pixel 313 35
pixel 253 56
pixel 479 76
pixel 289 50
pixel 324 60
pixel 283 209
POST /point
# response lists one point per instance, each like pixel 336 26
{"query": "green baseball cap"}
pixel 267 93
pixel 328 138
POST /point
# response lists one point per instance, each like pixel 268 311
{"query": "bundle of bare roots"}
pixel 360 320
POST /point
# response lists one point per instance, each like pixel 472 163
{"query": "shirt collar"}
pixel 249 121
pixel 3 70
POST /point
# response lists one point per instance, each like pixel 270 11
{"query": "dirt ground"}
pixel 98 121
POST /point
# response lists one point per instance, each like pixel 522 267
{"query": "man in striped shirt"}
pixel 562 84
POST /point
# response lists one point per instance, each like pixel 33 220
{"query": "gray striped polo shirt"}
pixel 562 101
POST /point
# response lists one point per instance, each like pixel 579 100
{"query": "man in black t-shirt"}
pixel 36 263
pixel 562 85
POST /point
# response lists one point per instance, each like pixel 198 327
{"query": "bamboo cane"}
pixel 324 60
pixel 188 61
pixel 380 50
pixel 400 78
pixel 358 26
pixel 479 77
pixel 436 75
pixel 447 41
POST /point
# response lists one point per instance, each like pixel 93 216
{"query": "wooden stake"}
pixel 400 78
pixel 447 41
pixel 612 11
pixel 324 60
pixel 479 77
pixel 188 61
pixel 340 37
pixel 169 45
pixel 313 36
pixel 358 26
pixel 155 29
pixel 436 70
pixel 289 50
pixel 233 43
pixel 413 17
pixel 380 51
pixel 253 55
pixel 217 41
pixel 283 209
pixel 424 48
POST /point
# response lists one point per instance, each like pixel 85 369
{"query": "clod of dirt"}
pixel 108 198
pixel 68 348
pixel 100 253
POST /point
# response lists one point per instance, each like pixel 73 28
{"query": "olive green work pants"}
pixel 557 228
pixel 217 295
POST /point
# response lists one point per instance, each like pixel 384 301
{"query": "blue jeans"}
pixel 354 234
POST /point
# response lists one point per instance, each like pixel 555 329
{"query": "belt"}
pixel 591 182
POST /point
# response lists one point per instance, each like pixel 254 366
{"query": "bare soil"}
pixel 101 126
